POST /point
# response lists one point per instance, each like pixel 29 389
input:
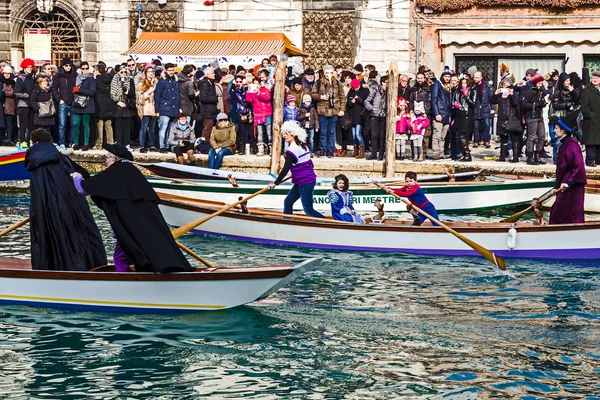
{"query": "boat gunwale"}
pixel 180 203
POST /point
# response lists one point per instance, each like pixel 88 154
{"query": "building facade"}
pixel 330 32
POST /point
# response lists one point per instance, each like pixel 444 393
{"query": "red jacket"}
pixel 261 102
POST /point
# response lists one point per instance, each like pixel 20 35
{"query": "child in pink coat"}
pixel 259 94
pixel 402 128
pixel 419 123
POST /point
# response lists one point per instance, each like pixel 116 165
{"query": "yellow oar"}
pixel 491 257
pixel 517 216
pixel 182 230
pixel 14 227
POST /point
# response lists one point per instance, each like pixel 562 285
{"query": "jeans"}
pixel 555 143
pixel 481 131
pixel 216 159
pixel 77 120
pixel 310 137
pixel 327 125
pixel 63 114
pixel 357 135
pixel 305 194
pixel 164 128
pixel 148 124
pixel 9 121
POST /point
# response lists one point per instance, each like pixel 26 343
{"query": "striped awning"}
pixel 184 47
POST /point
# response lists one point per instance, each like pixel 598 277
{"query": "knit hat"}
pixel 66 61
pixel 402 100
pixel 293 129
pixel 472 69
pixel 562 78
pixel 27 62
pixel 7 69
pixel 289 98
pixel 307 98
pixel 239 69
pixel 446 71
pixel 199 74
pixel 596 73
pixel 419 107
pixel 507 80
pixel 569 122
pixel 355 84
pixel 530 71
pixel 309 71
pixel 535 79
pixel 222 116
pixel 296 81
pixel 359 68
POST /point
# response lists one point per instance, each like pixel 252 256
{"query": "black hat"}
pixel 309 71
pixel 596 73
pixel 239 69
pixel 297 80
pixel 118 150
pixel 562 78
pixel 359 68
pixel 66 61
pixel 569 122
pixel 446 71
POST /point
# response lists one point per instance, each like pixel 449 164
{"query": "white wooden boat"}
pixel 204 290
pixel 172 170
pixel 573 241
pixel 592 198
pixel 458 197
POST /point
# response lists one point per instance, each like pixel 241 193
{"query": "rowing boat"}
pixel 105 289
pixel 172 170
pixel 463 197
pixel 12 166
pixel 269 227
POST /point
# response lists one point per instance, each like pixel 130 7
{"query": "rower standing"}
pixel 568 208
pixel 416 196
pixel 297 160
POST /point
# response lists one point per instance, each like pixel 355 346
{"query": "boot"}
pixel 466 157
pixel 537 159
pixel 267 149
pixel 361 150
pixel 247 152
pixel 419 154
pixel 464 148
pixel 261 150
pixel 414 154
pixel 356 152
pixel 344 153
pixel 381 156
pixel 503 151
pixel 530 160
pixel 373 155
pixel 515 157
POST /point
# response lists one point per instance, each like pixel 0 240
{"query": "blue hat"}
pixel 569 122
pixel 309 71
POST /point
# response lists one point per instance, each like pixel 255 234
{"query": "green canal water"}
pixel 361 326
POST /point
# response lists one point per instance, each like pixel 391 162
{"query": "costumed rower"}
pixel 131 207
pixel 341 201
pixel 64 235
pixel 570 175
pixel 416 196
pixel 297 160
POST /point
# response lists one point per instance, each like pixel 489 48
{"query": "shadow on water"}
pixel 362 325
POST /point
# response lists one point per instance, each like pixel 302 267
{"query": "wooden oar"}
pixel 517 216
pixel 196 256
pixel 182 230
pixel 14 227
pixel 491 257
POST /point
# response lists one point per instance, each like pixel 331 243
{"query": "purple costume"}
pixel 570 169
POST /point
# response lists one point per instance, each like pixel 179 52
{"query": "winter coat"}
pixel 177 135
pixel 419 124
pixel 562 99
pixel 307 84
pixel 336 90
pixel 87 88
pixel 356 109
pixel 590 108
pixel 420 93
pixel 208 99
pixel 187 94
pixel 376 102
pixel 261 102
pixel 463 107
pixel 40 96
pixel 507 106
pixel 313 119
pixel 119 92
pixel 8 89
pixel 63 84
pixel 105 107
pixel 290 113
pixel 146 98
pixel 166 98
pixel 237 103
pixel 440 102
pixel 298 94
pixel 483 109
pixel 223 137
pixel 23 87
pixel 533 104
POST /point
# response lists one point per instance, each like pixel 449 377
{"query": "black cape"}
pixel 131 206
pixel 64 235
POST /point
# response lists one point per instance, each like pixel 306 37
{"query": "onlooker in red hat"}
pixel 23 88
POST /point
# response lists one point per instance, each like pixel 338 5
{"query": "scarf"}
pixel 464 91
pixel 118 89
pixel 82 77
pixel 240 101
pixel 182 127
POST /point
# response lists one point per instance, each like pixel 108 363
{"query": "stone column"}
pixel 4 30
pixel 91 31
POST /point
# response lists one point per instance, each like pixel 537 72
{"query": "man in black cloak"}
pixel 64 236
pixel 131 207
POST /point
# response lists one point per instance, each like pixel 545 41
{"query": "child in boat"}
pixel 416 196
pixel 341 201
pixel 402 128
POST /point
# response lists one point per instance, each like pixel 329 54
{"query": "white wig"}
pixel 294 129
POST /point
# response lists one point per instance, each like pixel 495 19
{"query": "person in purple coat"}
pixel 570 175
